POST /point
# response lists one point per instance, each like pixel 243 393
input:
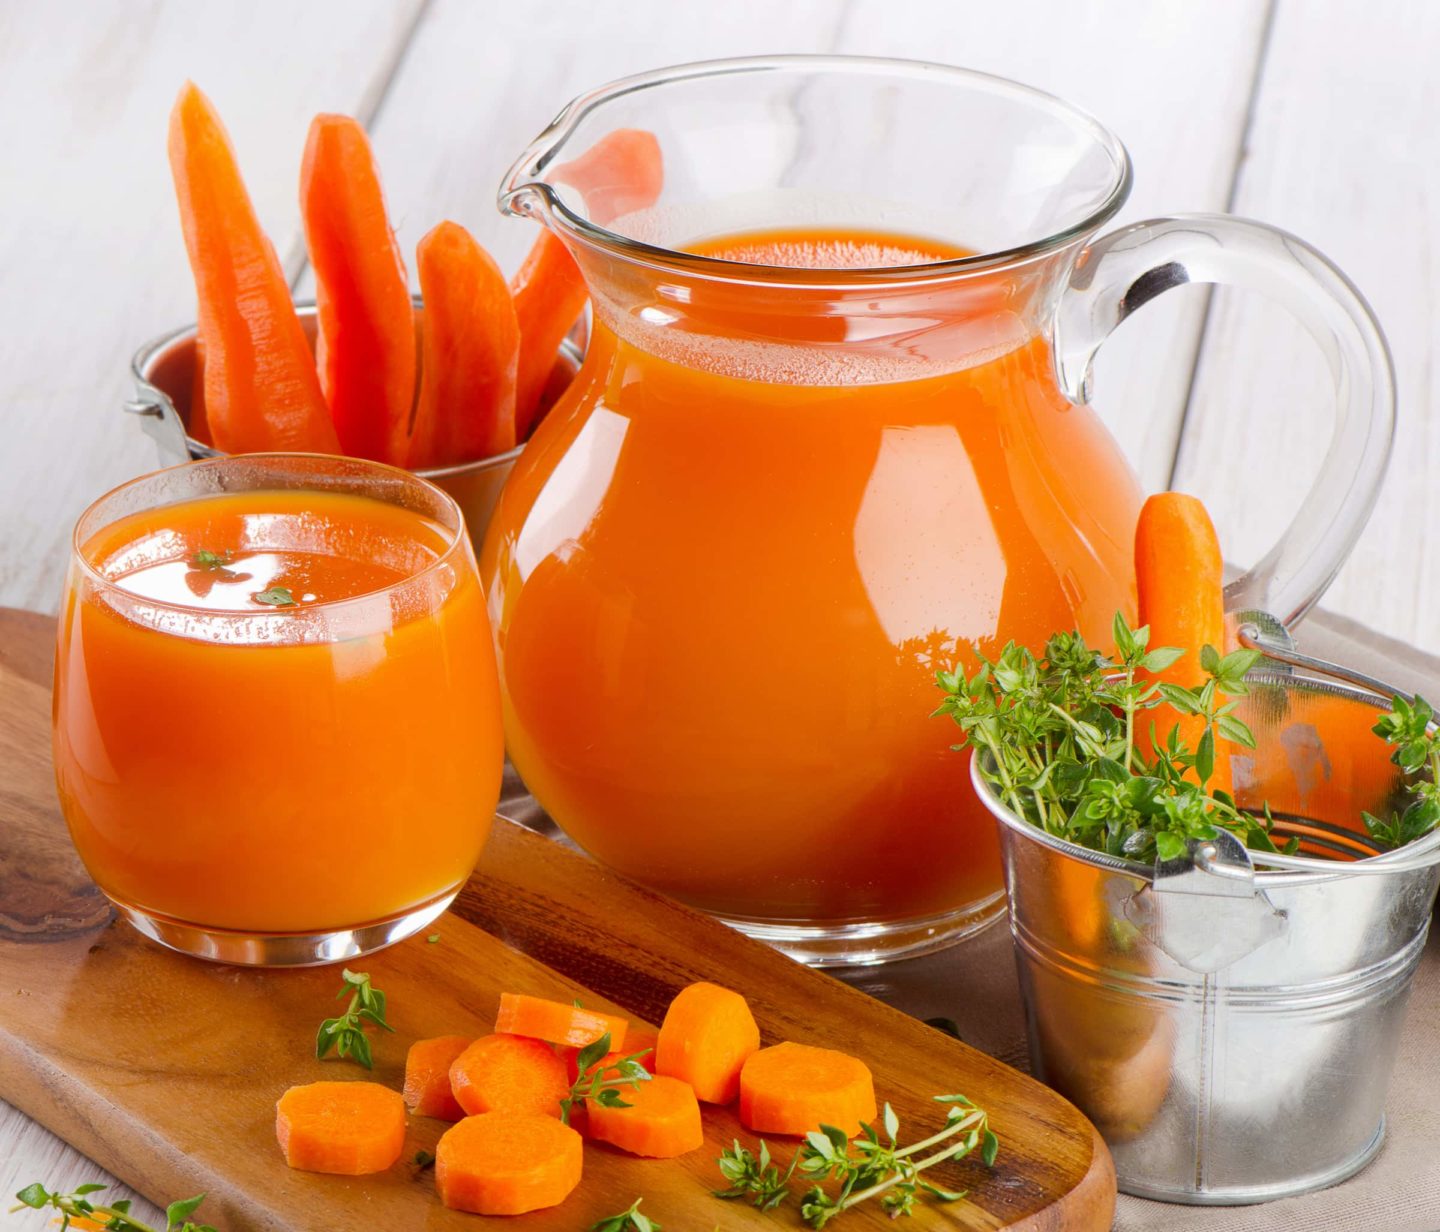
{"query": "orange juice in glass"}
pixel 277 732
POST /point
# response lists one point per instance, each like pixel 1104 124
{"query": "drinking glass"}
pixel 265 784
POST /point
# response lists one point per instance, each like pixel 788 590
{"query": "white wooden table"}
pixel 1316 115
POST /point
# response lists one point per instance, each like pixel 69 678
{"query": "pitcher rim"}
pixel 522 189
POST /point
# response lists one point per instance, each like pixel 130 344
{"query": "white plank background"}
pixel 1315 115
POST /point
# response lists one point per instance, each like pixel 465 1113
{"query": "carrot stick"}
pixel 620 173
pixel 549 295
pixel 261 390
pixel 1179 575
pixel 471 341
pixel 350 1128
pixel 557 1023
pixel 794 1088
pixel 706 1037
pixel 662 1121
pixel 507 1163
pixel 641 1040
pixel 365 349
pixel 509 1073
pixel 427 1076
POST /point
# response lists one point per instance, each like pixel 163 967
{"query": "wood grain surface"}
pixel 166 1069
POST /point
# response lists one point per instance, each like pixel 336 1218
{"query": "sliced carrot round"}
pixel 427 1076
pixel 350 1128
pixel 794 1088
pixel 501 1163
pixel 556 1022
pixel 707 1034
pixel 509 1073
pixel 663 1120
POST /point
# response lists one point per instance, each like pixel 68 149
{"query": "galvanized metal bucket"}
pixel 1230 1020
pixel 167 386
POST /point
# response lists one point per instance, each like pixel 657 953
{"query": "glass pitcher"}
pixel 778 498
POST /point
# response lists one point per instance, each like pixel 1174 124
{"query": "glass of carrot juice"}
pixel 277 725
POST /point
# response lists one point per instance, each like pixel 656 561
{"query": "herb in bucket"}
pixel 1061 738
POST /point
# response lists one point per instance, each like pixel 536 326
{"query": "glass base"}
pixel 867 944
pixel 252 949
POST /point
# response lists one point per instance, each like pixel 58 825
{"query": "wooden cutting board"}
pixel 165 1070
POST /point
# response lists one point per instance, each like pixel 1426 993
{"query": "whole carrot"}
pixel 261 390
pixel 1180 579
pixel 365 349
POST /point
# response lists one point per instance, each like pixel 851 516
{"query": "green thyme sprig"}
pixel 755 1176
pixel 603 1083
pixel 346 1034
pixel 632 1220
pixel 1408 727
pixel 871 1166
pixel 1063 734
pixel 115 1216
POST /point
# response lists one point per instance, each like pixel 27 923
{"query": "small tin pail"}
pixel 167 385
pixel 1229 1020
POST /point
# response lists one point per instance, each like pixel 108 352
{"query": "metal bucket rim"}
pixel 143 362
pixel 1272 870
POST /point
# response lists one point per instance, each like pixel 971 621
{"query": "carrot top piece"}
pixel 365 348
pixel 622 172
pixel 707 1034
pixel 662 1120
pixel 509 1073
pixel 558 1023
pixel 350 1128
pixel 507 1163
pixel 471 344
pixel 1179 577
pixel 261 390
pixel 427 1076
pixel 794 1088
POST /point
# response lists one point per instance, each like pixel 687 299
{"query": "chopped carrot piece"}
pixel 471 345
pixel 642 1040
pixel 663 1120
pixel 350 1128
pixel 622 172
pixel 427 1076
pixel 509 1073
pixel 1180 579
pixel 557 1023
pixel 506 1164
pixel 707 1034
pixel 794 1088
pixel 261 390
pixel 549 295
pixel 365 348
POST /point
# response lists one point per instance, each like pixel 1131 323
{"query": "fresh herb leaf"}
pixel 600 1082
pixel 211 562
pixel 432 939
pixel 346 1034
pixel 423 1160
pixel 115 1217
pixel 632 1220
pixel 276 596
pixel 864 1168
pixel 1408 728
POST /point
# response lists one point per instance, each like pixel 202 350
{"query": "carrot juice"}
pixel 275 709
pixel 722 587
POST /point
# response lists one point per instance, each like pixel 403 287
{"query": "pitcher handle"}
pixel 1121 271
